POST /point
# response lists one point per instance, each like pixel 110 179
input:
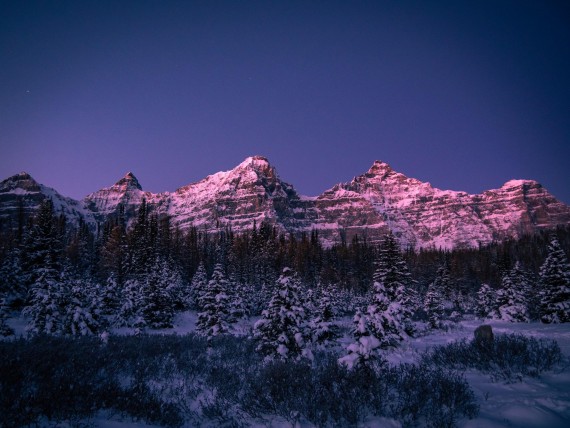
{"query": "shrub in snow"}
pixel 386 319
pixel 360 352
pixel 555 286
pixel 507 357
pixel 280 332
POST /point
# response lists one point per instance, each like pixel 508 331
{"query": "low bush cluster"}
pixel 508 357
pixel 176 380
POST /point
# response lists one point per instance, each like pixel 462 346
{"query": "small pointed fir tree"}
pixel 11 277
pixel 433 305
pixel 280 331
pixel 511 298
pixel 323 328
pixel 555 285
pixel 219 309
pixel 155 301
pixel 83 309
pixel 5 329
pixel 197 287
pixel 385 318
pixel 486 302
pixel 128 314
pixel 394 275
pixel 47 307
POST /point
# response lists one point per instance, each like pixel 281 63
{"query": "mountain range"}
pixel 370 205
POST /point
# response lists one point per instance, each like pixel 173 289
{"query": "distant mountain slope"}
pixel 21 195
pixel 370 205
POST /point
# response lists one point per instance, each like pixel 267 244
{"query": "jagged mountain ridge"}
pixel 20 196
pixel 370 205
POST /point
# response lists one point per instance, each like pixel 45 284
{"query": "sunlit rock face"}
pixel 422 216
pixel 123 198
pixel 369 206
pixel 251 192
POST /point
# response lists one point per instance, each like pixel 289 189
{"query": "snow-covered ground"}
pixel 531 403
pixel 535 402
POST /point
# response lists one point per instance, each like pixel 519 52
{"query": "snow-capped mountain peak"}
pixel 129 181
pixel 21 193
pixel 370 205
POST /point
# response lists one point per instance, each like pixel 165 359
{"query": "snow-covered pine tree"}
pixel 197 287
pixel 512 297
pixel 280 331
pixel 42 248
pixel 323 328
pixel 156 302
pixel 219 308
pixel 47 305
pixel 385 318
pixel 433 305
pixel 555 285
pixel 393 274
pixel 11 282
pixel 129 314
pixel 110 296
pixel 364 349
pixel 486 302
pixel 83 308
pixel 5 329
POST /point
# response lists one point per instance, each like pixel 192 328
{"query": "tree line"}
pixel 70 280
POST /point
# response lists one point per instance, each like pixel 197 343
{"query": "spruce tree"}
pixel 555 285
pixel 5 329
pixel 512 297
pixel 323 328
pixel 385 318
pixel 83 308
pixel 486 302
pixel 395 279
pixel 129 312
pixel 280 331
pixel 156 303
pixel 433 305
pixel 42 249
pixel 47 306
pixel 197 287
pixel 218 306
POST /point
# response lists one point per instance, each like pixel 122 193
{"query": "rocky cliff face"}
pixel 21 195
pixel 127 194
pixel 422 216
pixel 370 205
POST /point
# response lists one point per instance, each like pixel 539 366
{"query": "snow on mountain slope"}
pixel 250 192
pixel 128 193
pixel 378 201
pixel 21 195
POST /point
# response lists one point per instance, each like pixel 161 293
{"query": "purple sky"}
pixel 465 95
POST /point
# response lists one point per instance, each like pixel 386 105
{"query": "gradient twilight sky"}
pixel 463 94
